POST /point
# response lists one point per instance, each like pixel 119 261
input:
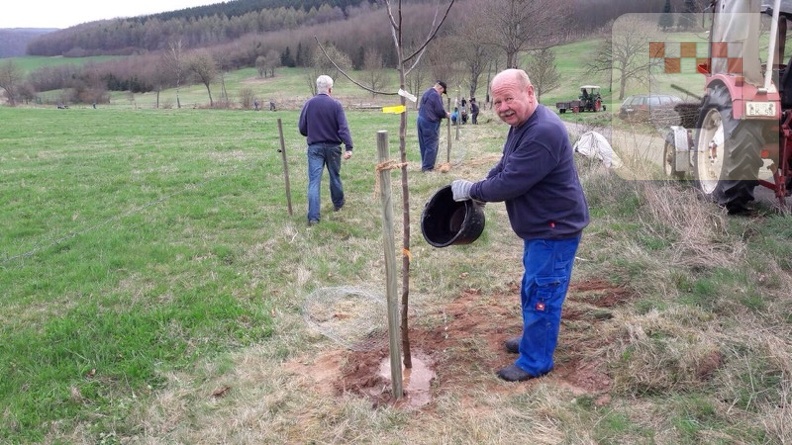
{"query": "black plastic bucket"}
pixel 445 222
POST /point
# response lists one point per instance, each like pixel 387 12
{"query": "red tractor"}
pixel 745 117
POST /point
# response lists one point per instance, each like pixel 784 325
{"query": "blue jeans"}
pixel 320 155
pixel 548 267
pixel 428 139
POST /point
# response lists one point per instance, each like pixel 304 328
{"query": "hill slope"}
pixel 13 41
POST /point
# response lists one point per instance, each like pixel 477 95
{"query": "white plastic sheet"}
pixel 594 146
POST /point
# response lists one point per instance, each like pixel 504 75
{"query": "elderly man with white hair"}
pixel 323 123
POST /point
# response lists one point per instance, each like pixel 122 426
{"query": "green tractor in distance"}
pixel 588 100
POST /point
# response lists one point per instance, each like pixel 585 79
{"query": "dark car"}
pixel 647 107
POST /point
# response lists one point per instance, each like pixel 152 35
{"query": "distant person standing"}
pixel 323 122
pixel 430 113
pixel 474 111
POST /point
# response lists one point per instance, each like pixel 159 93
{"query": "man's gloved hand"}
pixel 461 189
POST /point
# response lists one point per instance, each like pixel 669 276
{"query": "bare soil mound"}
pixel 466 347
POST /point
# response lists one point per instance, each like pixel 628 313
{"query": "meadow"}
pixel 153 289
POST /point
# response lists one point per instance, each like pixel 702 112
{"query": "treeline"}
pixel 220 23
pixel 360 39
pixel 136 35
pixel 237 8
pixel 13 42
pixel 364 33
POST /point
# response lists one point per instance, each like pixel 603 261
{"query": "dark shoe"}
pixel 335 209
pixel 512 345
pixel 513 373
pixel 313 222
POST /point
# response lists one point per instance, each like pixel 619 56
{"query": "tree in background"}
pixel 329 63
pixel 624 54
pixel 543 72
pixel 261 66
pixel 473 52
pixel 157 75
pixel 272 61
pixel 246 97
pixel 419 76
pixel 174 65
pixel 514 25
pixel 204 68
pixel 11 79
pixel 287 59
pixel 375 74
pixel 687 20
pixel 666 19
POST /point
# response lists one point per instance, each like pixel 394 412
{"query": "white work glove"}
pixel 461 189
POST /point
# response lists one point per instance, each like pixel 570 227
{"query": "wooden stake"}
pixel 285 166
pixel 448 150
pixel 389 246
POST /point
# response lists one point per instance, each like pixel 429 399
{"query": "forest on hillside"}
pixel 225 22
pixel 13 42
pixel 358 37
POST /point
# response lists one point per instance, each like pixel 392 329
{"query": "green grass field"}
pixel 32 63
pixel 153 283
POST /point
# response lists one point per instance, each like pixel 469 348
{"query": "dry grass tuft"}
pixel 659 355
pixel 699 231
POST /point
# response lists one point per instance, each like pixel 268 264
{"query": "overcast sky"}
pixel 66 13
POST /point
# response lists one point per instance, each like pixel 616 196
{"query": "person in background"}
pixel 537 179
pixel 430 113
pixel 464 111
pixel 474 111
pixel 323 122
pixel 455 116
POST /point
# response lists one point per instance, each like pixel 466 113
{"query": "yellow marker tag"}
pixel 397 109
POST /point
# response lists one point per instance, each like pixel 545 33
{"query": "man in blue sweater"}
pixel 538 181
pixel 430 113
pixel 323 122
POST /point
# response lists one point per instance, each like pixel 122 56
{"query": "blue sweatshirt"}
pixel 431 107
pixel 537 179
pixel 323 121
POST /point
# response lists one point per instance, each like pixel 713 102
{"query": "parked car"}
pixel 648 107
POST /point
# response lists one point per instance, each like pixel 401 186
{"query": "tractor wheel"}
pixel 728 153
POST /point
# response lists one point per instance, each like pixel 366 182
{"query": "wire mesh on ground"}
pixel 353 317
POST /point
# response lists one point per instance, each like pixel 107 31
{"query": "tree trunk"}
pixel 405 219
pixel 211 104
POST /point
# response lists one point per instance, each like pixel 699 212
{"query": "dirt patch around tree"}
pixel 461 343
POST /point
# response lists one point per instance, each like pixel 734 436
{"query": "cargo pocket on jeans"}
pixel 547 293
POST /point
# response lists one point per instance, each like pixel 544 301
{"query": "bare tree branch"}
pixel 394 23
pixel 340 70
pixel 435 29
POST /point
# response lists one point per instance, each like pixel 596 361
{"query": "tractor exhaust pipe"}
pixel 771 46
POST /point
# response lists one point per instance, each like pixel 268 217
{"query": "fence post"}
pixel 389 246
pixel 285 166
